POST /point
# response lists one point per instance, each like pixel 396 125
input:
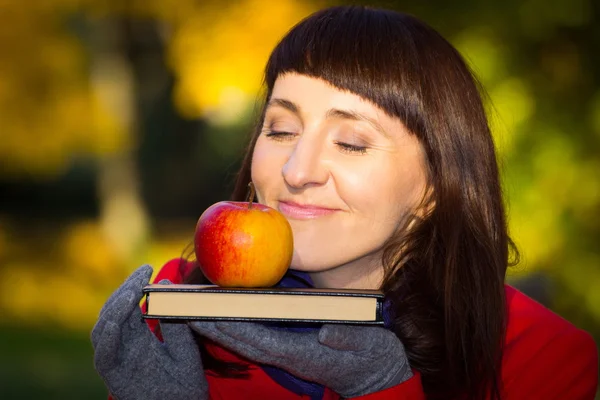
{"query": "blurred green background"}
pixel 121 121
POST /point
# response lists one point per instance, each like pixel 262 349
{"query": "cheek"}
pixel 257 175
pixel 265 169
pixel 384 192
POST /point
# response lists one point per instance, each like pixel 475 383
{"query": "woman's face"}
pixel 343 173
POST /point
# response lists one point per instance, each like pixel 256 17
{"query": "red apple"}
pixel 243 244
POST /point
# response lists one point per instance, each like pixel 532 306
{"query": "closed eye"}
pixel 351 148
pixel 280 135
pixel 344 147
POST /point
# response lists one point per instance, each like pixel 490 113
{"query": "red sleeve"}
pixel 407 390
pixel 546 356
pixel 566 367
pixel 175 271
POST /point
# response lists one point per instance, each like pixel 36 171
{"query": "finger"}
pixel 106 354
pixel 122 308
pixel 284 342
pixel 353 338
pixel 235 337
pixel 256 335
pixel 134 283
pixel 179 340
pixel 97 331
pixel 259 343
pixel 208 329
pixel 294 352
pixel 137 279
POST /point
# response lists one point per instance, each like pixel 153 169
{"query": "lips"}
pixel 303 211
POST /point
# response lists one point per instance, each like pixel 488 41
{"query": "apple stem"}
pixel 250 195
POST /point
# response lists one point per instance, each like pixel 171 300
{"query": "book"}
pixel 211 302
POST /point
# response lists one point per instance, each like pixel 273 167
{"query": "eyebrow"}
pixel 356 116
pixel 332 113
pixel 288 105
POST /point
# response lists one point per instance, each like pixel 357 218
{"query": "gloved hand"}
pixel 350 360
pixel 131 360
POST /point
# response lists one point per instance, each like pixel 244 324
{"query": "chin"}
pixel 308 264
pixel 300 263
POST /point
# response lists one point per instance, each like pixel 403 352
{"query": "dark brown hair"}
pixel 444 275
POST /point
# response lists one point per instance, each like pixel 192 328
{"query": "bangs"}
pixel 368 52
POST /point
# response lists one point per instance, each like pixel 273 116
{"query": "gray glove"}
pixel 131 360
pixel 350 360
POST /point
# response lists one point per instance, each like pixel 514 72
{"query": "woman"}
pixel 373 142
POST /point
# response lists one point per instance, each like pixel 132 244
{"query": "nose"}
pixel 305 166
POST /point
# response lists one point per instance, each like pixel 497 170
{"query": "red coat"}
pixel 545 357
